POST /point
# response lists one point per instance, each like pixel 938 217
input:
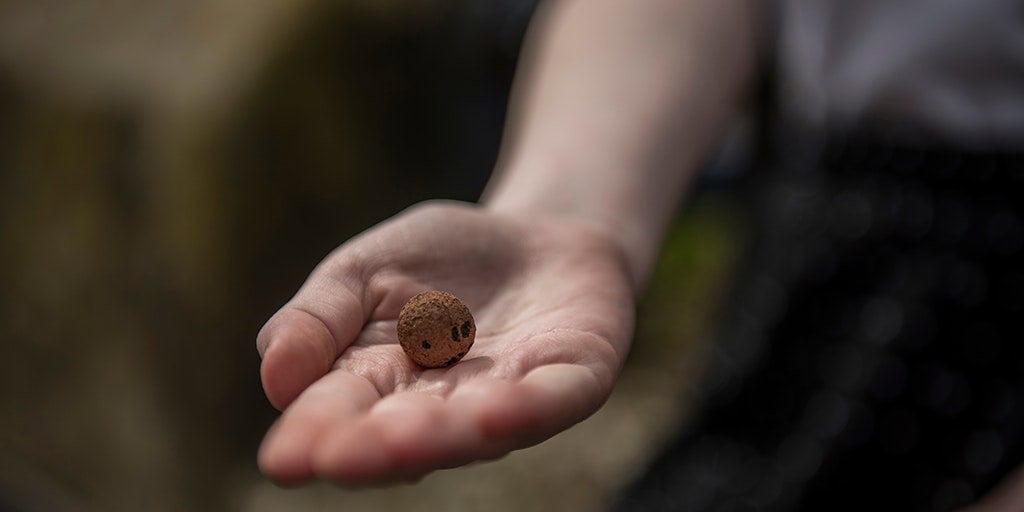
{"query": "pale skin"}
pixel 614 105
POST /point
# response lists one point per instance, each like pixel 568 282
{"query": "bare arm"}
pixel 615 104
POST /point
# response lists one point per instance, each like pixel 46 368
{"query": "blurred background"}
pixel 170 171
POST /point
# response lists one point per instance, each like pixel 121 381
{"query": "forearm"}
pixel 615 104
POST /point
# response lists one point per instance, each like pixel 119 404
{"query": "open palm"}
pixel 554 314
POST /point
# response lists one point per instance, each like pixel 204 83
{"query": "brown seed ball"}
pixel 435 329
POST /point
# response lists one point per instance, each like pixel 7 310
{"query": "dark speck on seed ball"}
pixel 436 329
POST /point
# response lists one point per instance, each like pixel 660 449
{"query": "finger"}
pixel 333 402
pixel 402 437
pixel 302 340
pixel 407 435
pixel 548 400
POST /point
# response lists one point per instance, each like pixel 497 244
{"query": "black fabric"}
pixel 872 356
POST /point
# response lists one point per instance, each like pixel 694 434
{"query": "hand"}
pixel 554 311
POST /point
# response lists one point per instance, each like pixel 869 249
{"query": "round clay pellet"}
pixel 436 329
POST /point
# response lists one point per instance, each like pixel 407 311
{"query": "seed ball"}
pixel 435 329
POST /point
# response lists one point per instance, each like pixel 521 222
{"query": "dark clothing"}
pixel 872 357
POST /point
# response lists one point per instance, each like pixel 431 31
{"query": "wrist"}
pixel 546 193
